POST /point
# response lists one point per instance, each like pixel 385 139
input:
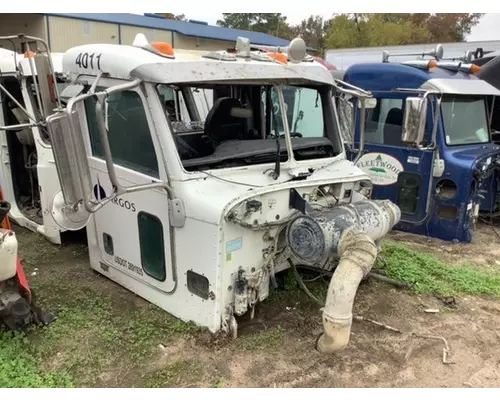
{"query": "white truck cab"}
pixel 29 173
pixel 197 213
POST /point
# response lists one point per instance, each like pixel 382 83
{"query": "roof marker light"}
pixel 164 48
pixel 474 69
pixel 470 68
pixel 159 48
pixel 279 57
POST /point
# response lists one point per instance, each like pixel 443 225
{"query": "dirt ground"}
pixel 276 349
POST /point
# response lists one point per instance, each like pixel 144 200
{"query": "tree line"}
pixel 356 30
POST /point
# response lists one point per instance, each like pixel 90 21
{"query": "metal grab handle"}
pixel 25 39
pixel 352 90
pixel 17 127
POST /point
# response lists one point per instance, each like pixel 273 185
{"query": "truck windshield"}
pixel 243 124
pixel 465 120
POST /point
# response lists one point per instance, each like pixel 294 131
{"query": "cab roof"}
pixel 9 59
pixel 7 63
pixel 129 62
pixel 388 76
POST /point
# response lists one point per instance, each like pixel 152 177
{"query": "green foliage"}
pixel 359 30
pixel 177 17
pixel 19 365
pixel 369 30
pixel 271 23
pixel 312 31
pixel 428 274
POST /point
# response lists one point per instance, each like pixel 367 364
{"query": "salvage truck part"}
pixel 18 308
pixel 29 175
pixel 195 213
pixel 427 142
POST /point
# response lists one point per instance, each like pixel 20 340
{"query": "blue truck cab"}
pixel 426 142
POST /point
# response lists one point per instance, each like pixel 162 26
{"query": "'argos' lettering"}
pixel 127 205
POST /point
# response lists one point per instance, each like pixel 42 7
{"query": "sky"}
pixel 487 29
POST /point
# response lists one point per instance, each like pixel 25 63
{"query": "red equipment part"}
pixel 23 282
pixel 18 307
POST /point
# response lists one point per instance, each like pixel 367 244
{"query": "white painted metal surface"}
pixel 128 62
pixel 233 217
pixel 8 255
pixel 46 169
pixel 462 86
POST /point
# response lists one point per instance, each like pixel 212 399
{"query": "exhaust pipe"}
pixel 348 232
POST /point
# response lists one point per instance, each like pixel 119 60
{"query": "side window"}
pixel 128 133
pixel 307 117
pixel 304 111
pixel 176 110
pixel 384 123
pixel 152 246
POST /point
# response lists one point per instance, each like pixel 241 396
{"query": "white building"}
pixel 343 58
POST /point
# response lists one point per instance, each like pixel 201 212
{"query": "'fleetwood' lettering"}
pixel 382 168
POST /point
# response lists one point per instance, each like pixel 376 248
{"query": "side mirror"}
pixel 414 120
pixel 66 138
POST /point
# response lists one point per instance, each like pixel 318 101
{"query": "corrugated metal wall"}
pixel 66 33
pixel 191 43
pixel 128 34
pixel 63 33
pixel 29 24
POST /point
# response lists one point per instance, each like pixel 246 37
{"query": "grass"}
pixel 98 335
pixel 20 365
pixel 427 274
pixel 101 334
pixel 105 336
pixel 175 374
pixel 267 340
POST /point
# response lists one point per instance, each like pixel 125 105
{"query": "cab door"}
pixel 400 173
pixel 48 178
pixel 133 230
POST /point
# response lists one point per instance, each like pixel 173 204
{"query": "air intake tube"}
pixel 349 232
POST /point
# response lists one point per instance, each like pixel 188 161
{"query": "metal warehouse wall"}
pixel 29 24
pixel 192 43
pixel 67 32
pixel 63 33
pixel 128 34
